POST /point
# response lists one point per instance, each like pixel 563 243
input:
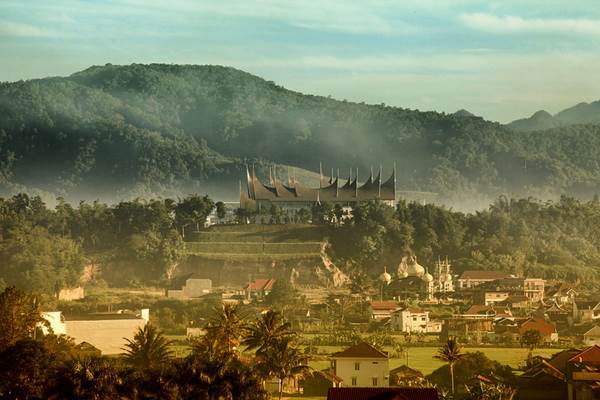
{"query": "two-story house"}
pixel 414 320
pixel 361 365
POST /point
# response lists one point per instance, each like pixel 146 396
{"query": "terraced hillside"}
pixel 257 242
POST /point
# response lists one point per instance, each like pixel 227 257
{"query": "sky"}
pixel 499 59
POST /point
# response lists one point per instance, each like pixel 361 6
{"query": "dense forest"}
pixel 142 242
pixel 120 132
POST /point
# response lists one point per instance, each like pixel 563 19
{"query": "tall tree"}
pixel 19 314
pixel 450 352
pixel 149 348
pixel 227 324
pixel 265 331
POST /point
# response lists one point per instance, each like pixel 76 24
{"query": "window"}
pixel 353 381
pixel 375 362
pixel 357 366
pixel 374 381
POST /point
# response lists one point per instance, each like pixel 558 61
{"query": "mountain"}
pixel 464 113
pixel 582 113
pixel 116 132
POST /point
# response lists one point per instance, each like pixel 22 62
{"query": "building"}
pixel 472 278
pixel 361 365
pixel 477 311
pixel 108 332
pixel 414 281
pixel 570 374
pixel 414 320
pixel 345 393
pixel 406 377
pixel 291 195
pixel 70 294
pixel 546 329
pixel 381 309
pixel 490 297
pixel 592 337
pixel 585 311
pixel 258 288
pixel 192 288
pixel 562 293
pixel 317 383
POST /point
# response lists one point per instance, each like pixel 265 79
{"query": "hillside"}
pixel 117 132
pixel 582 113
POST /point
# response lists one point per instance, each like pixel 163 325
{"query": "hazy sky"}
pixel 500 59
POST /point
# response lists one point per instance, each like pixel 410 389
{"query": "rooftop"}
pixel 361 350
pixel 348 393
pixel 384 305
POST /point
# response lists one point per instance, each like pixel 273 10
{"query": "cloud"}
pixel 9 28
pixel 514 24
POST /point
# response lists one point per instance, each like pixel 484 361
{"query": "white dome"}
pixel 415 269
pixel 427 277
pixel 385 277
pixel 448 278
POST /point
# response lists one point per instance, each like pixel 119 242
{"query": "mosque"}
pixel 414 281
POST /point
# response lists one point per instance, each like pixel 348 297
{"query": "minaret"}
pixel 320 175
pixel 356 186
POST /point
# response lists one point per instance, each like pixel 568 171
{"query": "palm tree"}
pixel 450 352
pixel 149 348
pixel 227 325
pixel 282 360
pixel 265 331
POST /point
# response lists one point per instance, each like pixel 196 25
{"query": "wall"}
pixel 107 335
pixel 70 294
pixel 344 368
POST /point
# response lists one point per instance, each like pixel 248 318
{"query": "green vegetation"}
pixel 142 130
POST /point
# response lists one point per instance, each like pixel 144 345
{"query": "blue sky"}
pixel 499 59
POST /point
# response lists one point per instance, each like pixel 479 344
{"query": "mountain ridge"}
pixel 158 129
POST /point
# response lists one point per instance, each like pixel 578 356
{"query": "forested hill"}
pixel 115 132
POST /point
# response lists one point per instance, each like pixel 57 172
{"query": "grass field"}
pixel 421 358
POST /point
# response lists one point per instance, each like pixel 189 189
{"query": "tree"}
pixel 193 210
pixel 226 326
pixel 282 359
pixel 450 353
pixel 25 368
pixel 267 330
pixel 149 349
pixel 19 315
pixel 488 391
pixel 221 210
pixel 303 215
pixel 531 338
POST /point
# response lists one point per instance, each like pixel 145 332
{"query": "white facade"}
pixel 362 372
pixel 108 334
pixel 193 288
pixel 592 337
pixel 410 320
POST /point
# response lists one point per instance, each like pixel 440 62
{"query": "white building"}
pixel 106 331
pixel 193 288
pixel 592 337
pixel 361 365
pixel 414 320
pixel 472 278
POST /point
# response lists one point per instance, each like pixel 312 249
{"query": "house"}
pixel 477 311
pixel 588 310
pixel 381 309
pixel 108 332
pixel 189 288
pixel 467 327
pixel 547 330
pixel 472 278
pixel 361 365
pixel 317 383
pixel 414 320
pixel 592 337
pixel 490 297
pixel 70 294
pixel 259 288
pixel 570 374
pixel 406 377
pixel 345 393
pixel 562 293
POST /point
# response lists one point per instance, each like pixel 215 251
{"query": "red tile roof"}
pixel 346 393
pixel 477 274
pixel 538 324
pixel 589 356
pixel 361 350
pixel 384 305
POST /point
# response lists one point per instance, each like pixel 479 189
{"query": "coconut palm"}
pixel 450 352
pixel 227 325
pixel 282 359
pixel 267 330
pixel 149 348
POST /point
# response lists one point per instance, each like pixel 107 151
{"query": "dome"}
pixel 403 274
pixel 448 278
pixel 427 277
pixel 385 277
pixel 415 269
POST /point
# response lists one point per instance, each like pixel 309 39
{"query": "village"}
pixel 385 336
